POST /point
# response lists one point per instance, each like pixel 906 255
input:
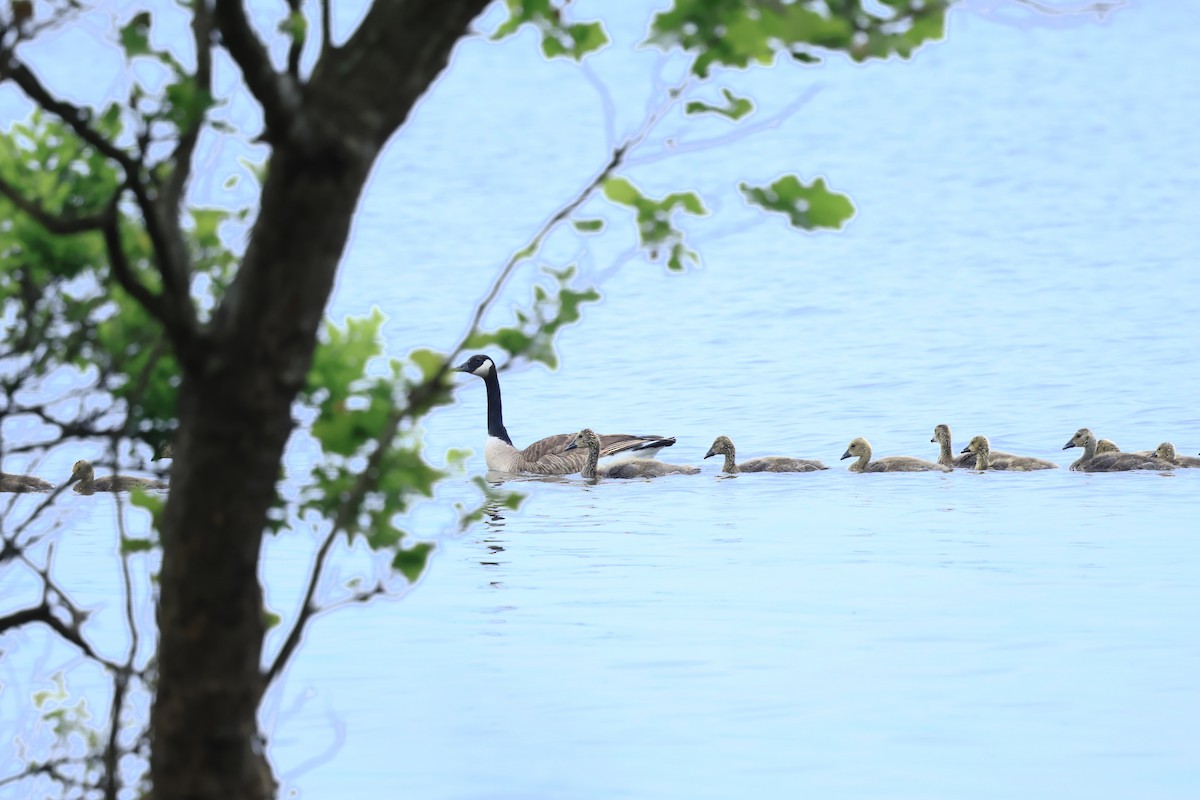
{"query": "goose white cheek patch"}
pixel 483 370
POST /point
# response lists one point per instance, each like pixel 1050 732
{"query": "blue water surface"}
pixel 1023 262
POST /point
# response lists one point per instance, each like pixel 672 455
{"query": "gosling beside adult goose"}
pixel 624 468
pixel 946 457
pixel 1090 461
pixel 546 456
pixel 1166 451
pixel 23 483
pixel 723 445
pixel 83 475
pixel 862 448
pixel 984 459
pixel 1109 446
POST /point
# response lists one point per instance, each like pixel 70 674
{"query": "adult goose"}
pixel 1091 461
pixel 723 445
pixel 946 457
pixel 986 459
pixel 1166 451
pixel 23 483
pixel 862 448
pixel 546 456
pixel 86 482
pixel 623 468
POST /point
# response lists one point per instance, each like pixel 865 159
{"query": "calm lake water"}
pixel 1024 262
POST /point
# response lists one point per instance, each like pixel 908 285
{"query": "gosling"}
pixel 626 468
pixel 1166 451
pixel 982 450
pixel 723 445
pixel 862 448
pixel 86 482
pixel 1090 461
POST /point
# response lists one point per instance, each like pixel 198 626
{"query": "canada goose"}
pixel 1108 462
pixel 1166 451
pixel 545 456
pixel 1109 446
pixel 723 445
pixel 88 483
pixel 946 457
pixel 624 468
pixel 862 448
pixel 23 483
pixel 982 450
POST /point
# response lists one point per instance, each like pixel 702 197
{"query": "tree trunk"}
pixel 235 402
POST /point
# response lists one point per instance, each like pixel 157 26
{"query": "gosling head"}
pixel 978 444
pixel 82 469
pixel 1107 446
pixel 941 433
pixel 858 447
pixel 585 438
pixel 722 446
pixel 1165 451
pixel 478 364
pixel 1080 439
pixel 166 451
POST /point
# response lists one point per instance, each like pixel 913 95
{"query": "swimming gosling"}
pixel 1090 461
pixel 723 445
pixel 862 448
pixel 626 468
pixel 1166 451
pixel 86 482
pixel 23 483
pixel 982 451
pixel 946 457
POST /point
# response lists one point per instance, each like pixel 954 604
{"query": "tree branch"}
pixel 297 46
pixel 62 226
pixel 123 272
pixel 276 92
pixel 77 118
pixel 182 157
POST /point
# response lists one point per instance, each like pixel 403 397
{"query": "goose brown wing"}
pixel 613 443
pixel 546 456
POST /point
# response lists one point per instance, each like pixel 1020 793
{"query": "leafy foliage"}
pixel 807 207
pixel 656 229
pixel 739 33
pixel 560 37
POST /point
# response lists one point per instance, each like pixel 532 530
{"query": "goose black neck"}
pixel 495 410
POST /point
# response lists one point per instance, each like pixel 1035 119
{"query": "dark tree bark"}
pixel 246 368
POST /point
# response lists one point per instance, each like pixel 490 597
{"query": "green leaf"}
pixel 808 207
pixel 135 36
pixel 428 361
pixel 735 107
pixel 270 619
pixel 137 545
pixel 588 225
pixel 410 562
pixel 620 190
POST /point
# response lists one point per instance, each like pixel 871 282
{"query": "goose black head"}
pixel 479 364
